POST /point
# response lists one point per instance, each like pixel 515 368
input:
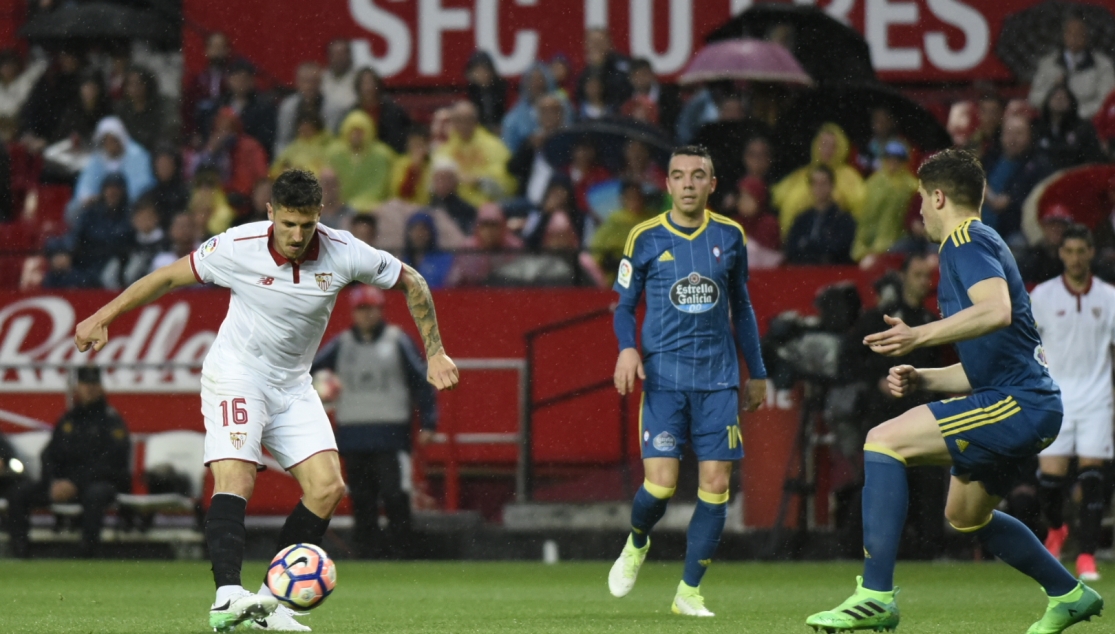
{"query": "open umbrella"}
pixel 99 20
pixel 850 107
pixel 608 136
pixel 744 60
pixel 1029 35
pixel 1082 191
pixel 830 51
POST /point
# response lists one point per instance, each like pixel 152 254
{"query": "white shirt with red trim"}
pixel 1078 331
pixel 279 308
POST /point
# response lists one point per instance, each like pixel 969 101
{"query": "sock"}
pixel 302 527
pixel 648 507
pixel 1051 490
pixel 1091 509
pixel 225 536
pixel 1010 540
pixel 885 499
pixel 225 593
pixel 704 535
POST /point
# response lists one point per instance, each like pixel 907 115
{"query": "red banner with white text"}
pixel 36 347
pixel 417 43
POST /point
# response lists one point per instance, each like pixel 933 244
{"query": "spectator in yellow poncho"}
pixel 608 241
pixel 889 191
pixel 308 149
pixel 481 156
pixel 362 163
pixel 792 195
pixel 208 204
pixel 410 177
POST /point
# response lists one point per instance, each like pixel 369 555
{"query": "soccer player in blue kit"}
pixel 1011 412
pixel 692 264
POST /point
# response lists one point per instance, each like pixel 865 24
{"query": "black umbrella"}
pixel 831 52
pixel 1029 35
pixel 608 136
pixel 99 20
pixel 725 141
pixel 850 107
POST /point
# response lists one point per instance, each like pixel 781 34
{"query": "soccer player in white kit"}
pixel 256 391
pixel 1075 315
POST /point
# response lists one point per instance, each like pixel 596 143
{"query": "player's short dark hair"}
pixel 957 173
pixel 296 189
pixel 823 169
pixel 695 150
pixel 1077 231
pixel 365 219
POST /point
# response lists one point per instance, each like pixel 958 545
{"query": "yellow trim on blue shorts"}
pixel 883 450
pixel 977 410
pixel 992 415
pixel 712 498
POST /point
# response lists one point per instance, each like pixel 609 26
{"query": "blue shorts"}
pixel 669 420
pixel 991 432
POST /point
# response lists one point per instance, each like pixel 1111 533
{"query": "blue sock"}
pixel 704 535
pixel 885 498
pixel 649 507
pixel 1010 540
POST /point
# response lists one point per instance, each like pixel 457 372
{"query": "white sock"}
pixel 264 591
pixel 225 593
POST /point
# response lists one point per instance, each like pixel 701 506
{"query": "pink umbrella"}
pixel 746 60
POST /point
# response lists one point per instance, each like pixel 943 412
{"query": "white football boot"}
pixel 281 620
pixel 622 577
pixel 242 606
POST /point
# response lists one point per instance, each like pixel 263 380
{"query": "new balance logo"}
pixel 666 257
pixel 266 281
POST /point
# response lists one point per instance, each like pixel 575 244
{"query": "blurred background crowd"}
pixel 537 181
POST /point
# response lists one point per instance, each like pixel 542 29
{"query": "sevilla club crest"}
pixel 238 439
pixel 324 280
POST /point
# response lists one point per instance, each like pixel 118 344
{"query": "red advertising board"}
pixel 426 42
pixel 476 324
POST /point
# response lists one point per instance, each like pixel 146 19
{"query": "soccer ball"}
pixel 301 576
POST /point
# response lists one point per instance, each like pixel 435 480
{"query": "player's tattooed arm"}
pixel 421 305
pixel 441 372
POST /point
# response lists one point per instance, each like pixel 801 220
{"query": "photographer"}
pixel 901 296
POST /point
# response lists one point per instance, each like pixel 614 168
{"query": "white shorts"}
pixel 243 416
pixel 1084 436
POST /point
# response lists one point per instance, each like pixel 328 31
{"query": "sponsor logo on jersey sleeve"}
pixel 625 272
pixel 694 293
pixel 207 248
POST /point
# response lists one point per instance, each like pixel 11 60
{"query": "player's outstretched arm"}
pixel 441 372
pixel 904 380
pixel 990 311
pixel 94 330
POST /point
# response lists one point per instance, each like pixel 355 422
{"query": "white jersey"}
pixel 279 309
pixel 1077 332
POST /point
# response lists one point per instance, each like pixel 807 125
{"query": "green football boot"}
pixel 864 610
pixel 1079 605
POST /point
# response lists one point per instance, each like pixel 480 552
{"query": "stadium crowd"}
pixel 476 195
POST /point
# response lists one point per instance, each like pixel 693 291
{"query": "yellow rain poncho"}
pixel 792 194
pixel 364 175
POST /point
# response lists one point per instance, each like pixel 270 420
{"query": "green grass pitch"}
pixel 48 597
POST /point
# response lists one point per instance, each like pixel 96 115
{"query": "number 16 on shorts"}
pixel 233 424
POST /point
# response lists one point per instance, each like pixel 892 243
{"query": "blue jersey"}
pixel 1011 357
pixel 696 287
